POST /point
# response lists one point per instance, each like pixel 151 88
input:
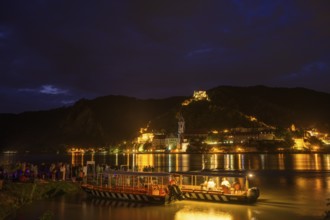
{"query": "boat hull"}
pixel 209 196
pixel 125 196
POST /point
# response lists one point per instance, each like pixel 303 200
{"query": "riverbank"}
pixel 15 195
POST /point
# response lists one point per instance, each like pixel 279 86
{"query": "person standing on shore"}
pixel 62 170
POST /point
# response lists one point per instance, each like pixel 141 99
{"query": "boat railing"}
pixel 154 190
pixel 215 190
pixel 143 183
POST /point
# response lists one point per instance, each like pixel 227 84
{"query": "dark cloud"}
pixel 150 49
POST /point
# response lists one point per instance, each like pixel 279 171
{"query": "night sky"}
pixel 55 52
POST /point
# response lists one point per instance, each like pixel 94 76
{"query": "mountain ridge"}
pixel 109 120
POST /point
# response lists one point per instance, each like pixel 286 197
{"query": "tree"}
pixel 315 141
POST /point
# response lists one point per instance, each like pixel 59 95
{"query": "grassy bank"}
pixel 14 195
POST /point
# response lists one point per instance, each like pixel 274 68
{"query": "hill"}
pixel 102 121
pixel 279 107
pixel 111 120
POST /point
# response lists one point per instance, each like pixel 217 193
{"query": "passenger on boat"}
pixel 236 186
pixel 225 185
pixel 174 191
pixel 204 185
pixel 172 182
pixel 211 184
pixel 225 182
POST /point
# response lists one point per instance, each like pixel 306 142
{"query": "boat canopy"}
pixel 132 173
pixel 213 173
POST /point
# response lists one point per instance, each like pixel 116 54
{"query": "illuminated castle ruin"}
pixel 197 96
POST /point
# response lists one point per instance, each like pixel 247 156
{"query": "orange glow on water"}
pixel 327 161
pixel 306 162
pixel 199 215
pixel 145 160
pixel 281 162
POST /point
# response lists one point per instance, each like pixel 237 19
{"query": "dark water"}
pixel 292 186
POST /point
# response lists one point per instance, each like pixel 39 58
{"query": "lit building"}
pixel 145 137
pixel 241 135
pixel 171 141
pixel 158 142
pixel 299 144
pixel 324 137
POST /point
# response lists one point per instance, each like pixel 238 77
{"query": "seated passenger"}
pixel 172 182
pixel 211 185
pixel 204 185
pixel 236 186
pixel 225 185
pixel 225 182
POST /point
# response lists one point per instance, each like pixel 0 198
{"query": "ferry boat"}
pixel 217 186
pixel 144 187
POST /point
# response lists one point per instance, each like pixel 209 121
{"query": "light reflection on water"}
pixel 272 205
pixel 293 186
pixel 211 214
pixel 185 162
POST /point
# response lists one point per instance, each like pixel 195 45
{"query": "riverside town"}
pixel 261 138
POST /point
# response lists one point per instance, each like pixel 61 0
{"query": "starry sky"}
pixel 55 52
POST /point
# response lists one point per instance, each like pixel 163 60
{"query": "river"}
pixel 292 186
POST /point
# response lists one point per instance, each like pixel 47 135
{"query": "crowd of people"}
pixel 28 172
pixel 148 169
pixel 59 171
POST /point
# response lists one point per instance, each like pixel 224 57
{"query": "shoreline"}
pixel 14 195
pixel 229 152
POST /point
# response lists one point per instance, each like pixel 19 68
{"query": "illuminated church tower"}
pixel 181 129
